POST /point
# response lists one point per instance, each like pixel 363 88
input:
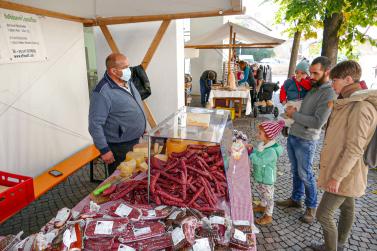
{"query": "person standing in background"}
pixel 207 78
pixel 343 172
pixel 304 135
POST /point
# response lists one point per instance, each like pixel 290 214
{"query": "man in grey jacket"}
pixel 304 135
pixel 116 115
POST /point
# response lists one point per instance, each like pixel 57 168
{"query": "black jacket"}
pixel 140 79
pixel 205 75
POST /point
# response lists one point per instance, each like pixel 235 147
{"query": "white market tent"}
pixel 249 38
pixel 44 105
pixel 232 32
pixel 95 12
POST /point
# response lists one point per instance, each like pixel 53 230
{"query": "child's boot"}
pixel 266 219
pixel 259 209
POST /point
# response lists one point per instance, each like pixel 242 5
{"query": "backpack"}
pixel 370 154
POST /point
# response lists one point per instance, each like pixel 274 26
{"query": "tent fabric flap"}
pixel 244 35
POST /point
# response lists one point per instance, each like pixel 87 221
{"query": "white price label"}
pixel 161 207
pixel 151 213
pixel 123 210
pixel 239 235
pixel 177 235
pixel 104 227
pixel 123 247
pixel 49 237
pixel 67 238
pixel 174 215
pixel 142 231
pixel 73 235
pixel 217 220
pixel 62 215
pixel 201 245
pixel 241 223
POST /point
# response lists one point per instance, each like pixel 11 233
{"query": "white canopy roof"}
pixel 91 9
pixel 247 36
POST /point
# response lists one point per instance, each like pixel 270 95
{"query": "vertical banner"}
pixel 21 38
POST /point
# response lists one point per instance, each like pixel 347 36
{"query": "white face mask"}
pixel 126 74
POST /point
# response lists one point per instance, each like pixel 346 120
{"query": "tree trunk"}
pixel 294 54
pixel 330 42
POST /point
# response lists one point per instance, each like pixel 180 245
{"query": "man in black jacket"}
pixel 208 78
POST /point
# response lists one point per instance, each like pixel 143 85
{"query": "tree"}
pixel 300 20
pixel 342 22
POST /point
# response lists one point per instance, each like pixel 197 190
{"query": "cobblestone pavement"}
pixel 285 233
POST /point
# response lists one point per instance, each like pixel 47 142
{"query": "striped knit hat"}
pixel 272 128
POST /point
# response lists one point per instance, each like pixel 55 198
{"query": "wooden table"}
pixel 237 96
pixel 237 101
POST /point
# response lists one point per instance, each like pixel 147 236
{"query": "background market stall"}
pixel 236 36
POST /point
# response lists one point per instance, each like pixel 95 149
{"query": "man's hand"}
pixel 290 110
pixel 108 157
pixel 284 102
pixel 333 186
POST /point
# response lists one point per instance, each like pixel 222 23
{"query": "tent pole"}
pixel 109 38
pixel 147 59
pixel 226 46
pixel 155 43
pixel 234 45
pixel 230 51
pixel 153 18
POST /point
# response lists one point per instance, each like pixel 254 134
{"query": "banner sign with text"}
pixel 21 38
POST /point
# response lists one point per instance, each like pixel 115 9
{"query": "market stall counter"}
pixel 241 93
pixel 192 195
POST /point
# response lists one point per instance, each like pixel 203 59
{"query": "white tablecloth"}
pixel 245 94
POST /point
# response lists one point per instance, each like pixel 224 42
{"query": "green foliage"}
pixel 308 16
pixel 258 54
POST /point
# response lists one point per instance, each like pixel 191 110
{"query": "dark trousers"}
pixel 204 93
pixel 119 151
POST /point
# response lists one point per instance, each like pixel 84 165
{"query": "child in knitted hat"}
pixel 294 90
pixel 264 158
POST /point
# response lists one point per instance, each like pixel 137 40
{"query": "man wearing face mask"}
pixel 304 135
pixel 116 115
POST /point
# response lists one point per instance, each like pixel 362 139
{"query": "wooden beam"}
pixel 230 51
pixel 27 9
pixel 109 38
pixel 236 4
pixel 150 18
pixel 225 46
pixel 145 63
pixel 156 41
pixel 233 47
pixel 151 119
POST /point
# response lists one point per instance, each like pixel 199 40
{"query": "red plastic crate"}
pixel 19 194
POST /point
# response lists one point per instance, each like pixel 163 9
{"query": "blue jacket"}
pixel 293 93
pixel 248 77
pixel 115 116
